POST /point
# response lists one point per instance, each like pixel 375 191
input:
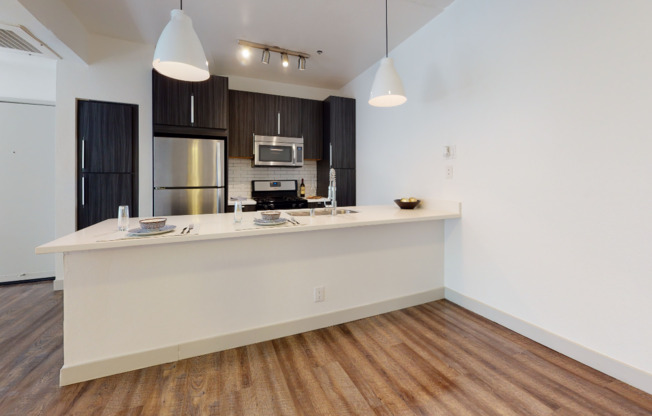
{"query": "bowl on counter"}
pixel 407 204
pixel 270 215
pixel 152 224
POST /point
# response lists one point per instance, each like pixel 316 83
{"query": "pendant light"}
pixel 387 89
pixel 178 52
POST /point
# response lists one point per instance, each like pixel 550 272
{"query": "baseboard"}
pixel 96 369
pixel 57 284
pixel 624 372
pixel 25 277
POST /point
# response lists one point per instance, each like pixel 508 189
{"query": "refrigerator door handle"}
pixel 83 154
pixel 83 199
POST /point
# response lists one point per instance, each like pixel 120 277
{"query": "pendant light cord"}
pixel 180 4
pixel 386 30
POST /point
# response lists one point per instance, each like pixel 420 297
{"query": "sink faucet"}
pixel 332 190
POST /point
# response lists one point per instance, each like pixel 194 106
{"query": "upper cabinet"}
pixel 106 134
pixel 312 128
pixel 190 104
pixel 277 115
pixel 241 123
pixel 272 115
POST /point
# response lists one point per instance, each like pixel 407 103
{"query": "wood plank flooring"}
pixel 433 359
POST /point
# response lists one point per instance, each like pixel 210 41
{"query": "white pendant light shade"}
pixel 387 89
pixel 179 53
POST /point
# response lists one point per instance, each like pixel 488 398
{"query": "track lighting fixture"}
pixel 285 54
pixel 265 57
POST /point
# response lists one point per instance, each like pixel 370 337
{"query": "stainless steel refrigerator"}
pixel 188 176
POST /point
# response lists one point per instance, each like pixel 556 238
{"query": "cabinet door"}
pixel 241 123
pixel 345 181
pixel 100 195
pixel 289 109
pixel 340 114
pixel 210 103
pixel 171 101
pixel 105 136
pixel 266 116
pixel 312 128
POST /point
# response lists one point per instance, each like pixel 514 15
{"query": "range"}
pixel 276 194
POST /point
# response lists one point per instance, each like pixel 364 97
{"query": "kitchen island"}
pixel 131 303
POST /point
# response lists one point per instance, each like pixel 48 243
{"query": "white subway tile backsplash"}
pixel 241 174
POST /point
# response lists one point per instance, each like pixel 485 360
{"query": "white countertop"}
pixel 245 202
pixel 104 235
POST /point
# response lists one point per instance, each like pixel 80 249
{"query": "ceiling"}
pixel 351 33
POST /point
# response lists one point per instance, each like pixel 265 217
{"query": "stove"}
pixel 276 194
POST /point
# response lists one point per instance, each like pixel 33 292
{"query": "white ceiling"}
pixel 351 33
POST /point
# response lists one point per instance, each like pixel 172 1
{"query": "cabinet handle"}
pixel 278 124
pixel 331 154
pixel 83 193
pixel 83 154
pixel 192 109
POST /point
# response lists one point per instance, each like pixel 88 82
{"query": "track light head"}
pixel 302 63
pixel 284 60
pixel 265 58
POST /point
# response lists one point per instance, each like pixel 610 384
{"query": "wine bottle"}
pixel 302 189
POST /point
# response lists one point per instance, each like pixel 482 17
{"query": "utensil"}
pixel 184 230
pixel 190 228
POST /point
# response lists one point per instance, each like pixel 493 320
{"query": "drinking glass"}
pixel 123 217
pixel 237 212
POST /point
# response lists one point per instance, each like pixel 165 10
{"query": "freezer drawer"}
pixel 184 162
pixel 188 201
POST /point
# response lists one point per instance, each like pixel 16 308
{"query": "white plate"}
pixel 260 221
pixel 143 232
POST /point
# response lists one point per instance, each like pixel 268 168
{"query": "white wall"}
pixel 120 72
pixel 27 78
pixel 548 104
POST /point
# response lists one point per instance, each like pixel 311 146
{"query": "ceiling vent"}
pixel 19 39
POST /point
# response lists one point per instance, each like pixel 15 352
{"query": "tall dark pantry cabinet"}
pixel 107 160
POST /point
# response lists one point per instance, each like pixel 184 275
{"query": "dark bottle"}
pixel 302 189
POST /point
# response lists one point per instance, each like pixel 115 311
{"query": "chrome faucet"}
pixel 332 190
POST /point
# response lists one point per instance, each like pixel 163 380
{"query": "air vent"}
pixel 20 40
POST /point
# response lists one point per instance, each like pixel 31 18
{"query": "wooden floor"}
pixel 433 359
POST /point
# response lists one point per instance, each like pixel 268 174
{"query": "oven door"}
pixel 273 154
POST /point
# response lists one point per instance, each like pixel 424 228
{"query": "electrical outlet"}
pixel 320 294
pixel 449 172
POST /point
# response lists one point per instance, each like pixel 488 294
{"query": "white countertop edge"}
pixel 245 202
pixel 76 242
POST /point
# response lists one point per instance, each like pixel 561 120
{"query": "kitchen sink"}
pixel 321 211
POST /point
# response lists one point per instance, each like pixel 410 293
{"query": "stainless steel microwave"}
pixel 278 151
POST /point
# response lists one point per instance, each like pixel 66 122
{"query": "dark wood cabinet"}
pixel 312 128
pixel 339 132
pixel 277 115
pixel 266 115
pixel 339 128
pixel 190 104
pixel 100 195
pixel 105 133
pixel 345 187
pixel 241 123
pixel 107 160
